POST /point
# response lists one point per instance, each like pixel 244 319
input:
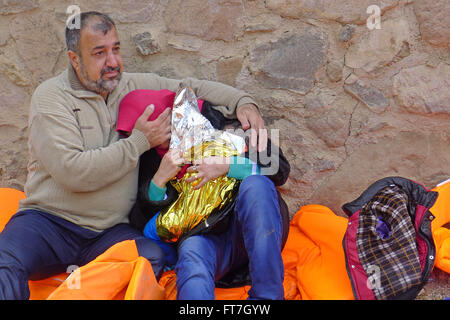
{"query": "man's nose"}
pixel 111 60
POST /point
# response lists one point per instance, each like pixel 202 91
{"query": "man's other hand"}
pixel 250 118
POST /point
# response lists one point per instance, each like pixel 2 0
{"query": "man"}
pixel 82 179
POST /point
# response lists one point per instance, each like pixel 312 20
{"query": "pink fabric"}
pixel 135 102
pixel 422 247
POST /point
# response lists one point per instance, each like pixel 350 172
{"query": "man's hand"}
pixel 170 165
pixel 208 169
pixel 250 118
pixel 157 131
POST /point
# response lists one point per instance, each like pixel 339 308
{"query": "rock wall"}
pixel 353 104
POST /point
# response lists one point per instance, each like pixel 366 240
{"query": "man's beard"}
pixel 100 86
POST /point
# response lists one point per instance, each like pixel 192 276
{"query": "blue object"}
pixel 168 249
pixel 254 234
pixel 383 229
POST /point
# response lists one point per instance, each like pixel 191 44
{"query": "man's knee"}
pixel 153 253
pixel 13 278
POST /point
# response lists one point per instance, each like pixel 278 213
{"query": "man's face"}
pixel 100 66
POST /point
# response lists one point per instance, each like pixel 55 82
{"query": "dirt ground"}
pixel 437 288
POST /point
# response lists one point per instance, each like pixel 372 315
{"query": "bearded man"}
pixel 82 177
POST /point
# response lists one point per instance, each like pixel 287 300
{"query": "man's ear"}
pixel 74 59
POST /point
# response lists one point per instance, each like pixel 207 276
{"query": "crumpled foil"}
pixel 194 135
pixel 193 206
pixel 190 129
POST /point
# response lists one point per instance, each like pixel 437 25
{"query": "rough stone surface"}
pixel 145 44
pixel 352 105
pixel 290 63
pixel 4 31
pixel 262 23
pixel 209 20
pixel 17 6
pixel 126 11
pixel 430 151
pixel 34 32
pixel 379 47
pixel 350 11
pixel 434 20
pixel 346 33
pixel 184 42
pixel 12 66
pixel 334 70
pixel 228 69
pixel 370 96
pixel 331 128
pixel 423 89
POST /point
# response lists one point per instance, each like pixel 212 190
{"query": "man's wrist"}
pixel 247 101
pixel 140 139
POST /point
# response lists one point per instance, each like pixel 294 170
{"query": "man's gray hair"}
pixel 73 32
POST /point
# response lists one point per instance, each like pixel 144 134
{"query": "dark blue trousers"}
pixel 35 245
pixel 254 237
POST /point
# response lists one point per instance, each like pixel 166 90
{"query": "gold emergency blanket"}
pixel 197 139
pixel 195 206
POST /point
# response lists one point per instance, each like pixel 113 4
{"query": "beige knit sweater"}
pixel 79 169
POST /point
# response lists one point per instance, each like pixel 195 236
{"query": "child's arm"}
pixel 156 193
pixel 241 168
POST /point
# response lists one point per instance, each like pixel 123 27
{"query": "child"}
pixel 160 165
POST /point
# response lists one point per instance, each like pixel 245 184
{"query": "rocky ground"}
pixel 437 288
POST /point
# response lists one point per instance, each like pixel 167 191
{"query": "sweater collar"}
pixel 74 82
pixel 76 87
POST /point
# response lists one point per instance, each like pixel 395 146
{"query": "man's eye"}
pixel 116 49
pixel 98 53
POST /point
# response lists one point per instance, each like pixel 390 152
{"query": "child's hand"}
pixel 208 169
pixel 170 165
